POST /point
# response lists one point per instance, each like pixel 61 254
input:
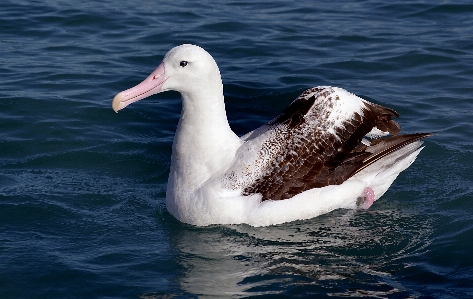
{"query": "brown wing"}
pixel 321 142
pixel 363 156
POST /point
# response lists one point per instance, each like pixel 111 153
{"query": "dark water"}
pixel 82 189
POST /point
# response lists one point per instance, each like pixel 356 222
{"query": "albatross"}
pixel 329 149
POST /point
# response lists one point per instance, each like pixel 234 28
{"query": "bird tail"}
pixel 390 156
pixel 380 148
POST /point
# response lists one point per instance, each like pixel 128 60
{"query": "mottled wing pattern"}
pixel 315 142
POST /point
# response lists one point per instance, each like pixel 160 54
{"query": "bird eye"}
pixel 183 63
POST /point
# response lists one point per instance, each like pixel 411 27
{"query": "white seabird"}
pixel 329 149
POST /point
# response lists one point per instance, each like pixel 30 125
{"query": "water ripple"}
pixel 82 189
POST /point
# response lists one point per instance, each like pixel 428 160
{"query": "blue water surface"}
pixel 82 212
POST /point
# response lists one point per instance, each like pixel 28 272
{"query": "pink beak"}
pixel 151 85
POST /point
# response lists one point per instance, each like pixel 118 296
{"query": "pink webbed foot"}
pixel 366 199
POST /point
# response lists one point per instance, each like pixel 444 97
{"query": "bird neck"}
pixel 204 142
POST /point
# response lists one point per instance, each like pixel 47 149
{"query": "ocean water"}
pixel 82 212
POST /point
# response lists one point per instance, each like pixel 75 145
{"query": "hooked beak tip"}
pixel 117 103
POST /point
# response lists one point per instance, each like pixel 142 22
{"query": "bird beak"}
pixel 151 85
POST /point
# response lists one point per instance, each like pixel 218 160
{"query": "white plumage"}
pixel 310 160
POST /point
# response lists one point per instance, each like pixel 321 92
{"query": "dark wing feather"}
pixel 316 152
pixel 363 156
